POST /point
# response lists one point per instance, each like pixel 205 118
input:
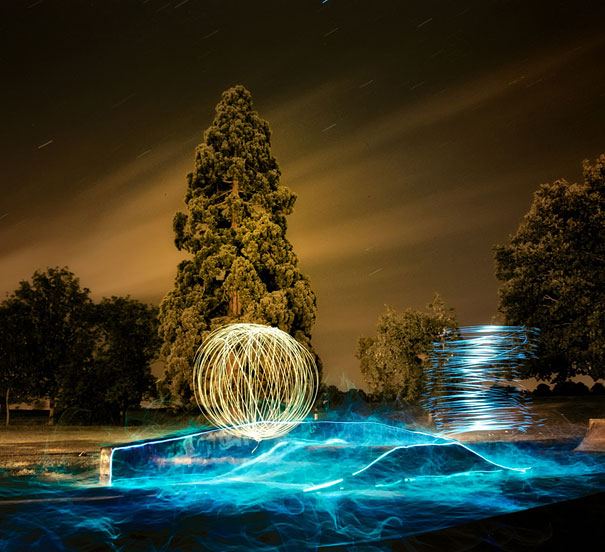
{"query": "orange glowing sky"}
pixel 414 135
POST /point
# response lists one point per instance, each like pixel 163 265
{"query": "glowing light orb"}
pixel 254 381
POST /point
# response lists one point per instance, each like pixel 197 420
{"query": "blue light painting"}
pixel 316 455
pixel 325 484
pixel 473 382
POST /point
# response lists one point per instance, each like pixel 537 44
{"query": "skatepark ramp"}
pixel 594 440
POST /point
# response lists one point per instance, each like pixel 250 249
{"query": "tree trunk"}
pixel 51 412
pixel 8 411
pixel 235 192
pixel 235 305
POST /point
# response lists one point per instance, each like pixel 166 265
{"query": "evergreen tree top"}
pixel 237 148
pixel 237 126
pixel 236 177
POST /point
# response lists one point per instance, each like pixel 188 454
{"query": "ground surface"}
pixel 43 506
pixel 62 452
pixel 561 418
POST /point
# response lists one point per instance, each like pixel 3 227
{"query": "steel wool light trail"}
pixel 247 377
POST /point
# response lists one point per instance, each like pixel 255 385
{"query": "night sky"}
pixel 413 132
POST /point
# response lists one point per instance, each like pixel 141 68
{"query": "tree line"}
pixel 241 268
pixel 56 343
pixel 552 276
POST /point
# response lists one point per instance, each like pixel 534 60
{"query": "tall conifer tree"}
pixel 242 267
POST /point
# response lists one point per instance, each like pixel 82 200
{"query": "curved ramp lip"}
pixel 438 440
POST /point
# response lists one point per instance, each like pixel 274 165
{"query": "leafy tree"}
pixel 242 267
pixel 553 276
pixel 15 362
pixel 393 363
pixel 61 341
pixel 542 390
pixel 598 389
pixel 127 342
pixel 570 388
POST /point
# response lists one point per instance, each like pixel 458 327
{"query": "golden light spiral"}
pixel 254 381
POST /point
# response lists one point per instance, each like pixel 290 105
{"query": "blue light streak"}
pixel 338 452
pixel 323 485
pixel 473 380
pixel 165 440
pixel 390 452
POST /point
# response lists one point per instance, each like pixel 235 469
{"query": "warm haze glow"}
pixel 414 135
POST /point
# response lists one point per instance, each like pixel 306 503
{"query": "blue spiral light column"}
pixel 473 380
